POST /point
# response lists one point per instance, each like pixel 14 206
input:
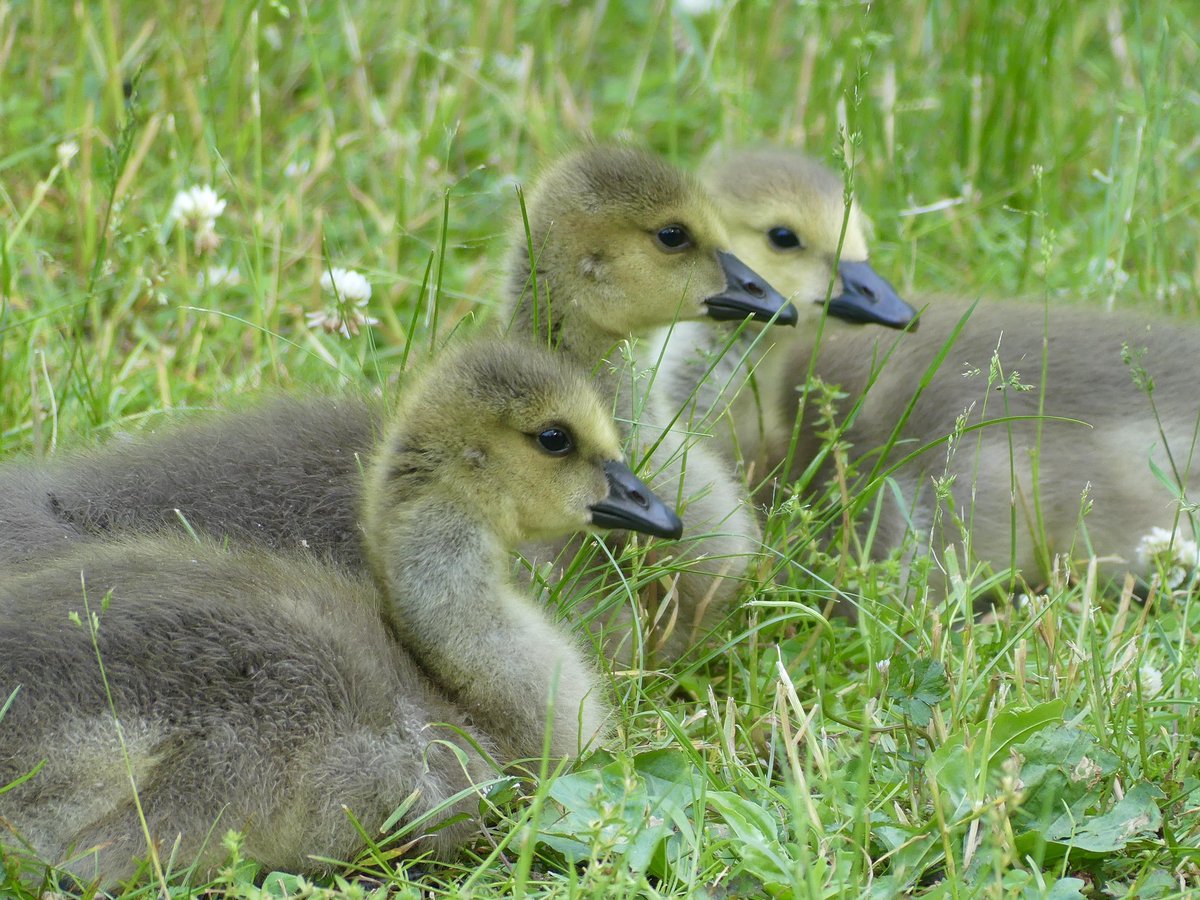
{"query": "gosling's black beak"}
pixel 633 506
pixel 748 294
pixel 867 297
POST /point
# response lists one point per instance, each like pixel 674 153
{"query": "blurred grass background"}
pixel 1002 148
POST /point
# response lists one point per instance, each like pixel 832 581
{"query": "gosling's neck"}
pixel 552 319
pixel 445 574
pixel 433 558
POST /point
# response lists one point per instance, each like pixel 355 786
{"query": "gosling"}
pixel 784 213
pixel 1005 517
pixel 271 692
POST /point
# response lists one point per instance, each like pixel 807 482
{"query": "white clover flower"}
pixel 1179 557
pixel 219 275
pixel 345 315
pixel 197 210
pixel 66 151
pixel 1150 679
pixel 697 7
pixel 347 285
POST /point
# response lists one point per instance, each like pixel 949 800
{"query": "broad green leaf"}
pixel 1136 815
pixel 956 767
pixel 919 687
pixel 624 810
pixel 762 854
pixel 1063 771
pixel 749 821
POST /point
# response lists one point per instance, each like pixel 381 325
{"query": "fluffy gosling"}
pixel 1112 457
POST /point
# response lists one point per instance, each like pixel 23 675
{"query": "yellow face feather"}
pixel 509 428
pixel 625 240
pixel 766 193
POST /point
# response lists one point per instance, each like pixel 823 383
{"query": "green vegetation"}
pixel 1046 148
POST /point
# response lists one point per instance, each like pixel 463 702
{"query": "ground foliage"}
pixel 1044 148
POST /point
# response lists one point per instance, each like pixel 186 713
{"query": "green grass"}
pixel 1045 148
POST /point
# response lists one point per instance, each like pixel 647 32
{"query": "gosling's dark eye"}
pixel 556 441
pixel 783 238
pixel 674 238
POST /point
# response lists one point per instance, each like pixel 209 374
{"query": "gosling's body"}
pixel 263 691
pixel 28 522
pixel 284 475
pixel 256 692
pixel 1085 378
pixel 624 246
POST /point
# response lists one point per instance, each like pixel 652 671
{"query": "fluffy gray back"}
pixel 282 476
pixel 255 691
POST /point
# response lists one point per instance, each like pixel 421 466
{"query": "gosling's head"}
pixel 512 432
pixel 784 214
pixel 629 243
